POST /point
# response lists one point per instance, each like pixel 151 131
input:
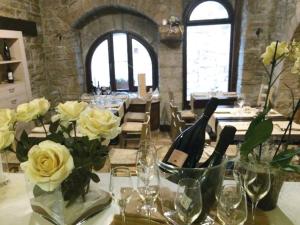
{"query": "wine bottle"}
pixel 10 76
pixel 226 138
pixel 187 148
pixel 6 52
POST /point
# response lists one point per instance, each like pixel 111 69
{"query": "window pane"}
pixel 208 49
pixel 209 10
pixel 100 65
pixel 141 62
pixel 121 60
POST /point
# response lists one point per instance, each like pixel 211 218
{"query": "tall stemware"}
pixel 232 202
pixel 257 183
pixel 121 188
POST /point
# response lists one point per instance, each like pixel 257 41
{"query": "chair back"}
pixel 148 106
pixel 174 110
pixel 171 96
pixel 262 95
pixel 146 129
pixel 179 124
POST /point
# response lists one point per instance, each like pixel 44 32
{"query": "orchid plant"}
pixel 261 127
pixel 75 143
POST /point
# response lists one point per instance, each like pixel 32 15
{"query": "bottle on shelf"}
pixel 187 148
pixel 6 52
pixel 226 138
pixel 10 75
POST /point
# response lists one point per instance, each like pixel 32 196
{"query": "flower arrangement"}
pixel 75 143
pixel 261 127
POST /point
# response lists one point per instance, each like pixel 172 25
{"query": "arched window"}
pixel 207 47
pixel 116 58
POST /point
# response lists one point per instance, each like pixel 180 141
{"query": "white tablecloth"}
pixel 15 207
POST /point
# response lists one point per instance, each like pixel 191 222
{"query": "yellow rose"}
pixel 6 137
pixel 282 48
pixel 48 165
pixel 41 104
pixel 70 110
pixel 30 111
pixel 96 123
pixel 7 118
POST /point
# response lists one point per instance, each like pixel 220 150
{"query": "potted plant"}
pixel 59 166
pixel 254 147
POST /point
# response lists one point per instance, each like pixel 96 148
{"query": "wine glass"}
pixel 121 187
pixel 241 101
pixel 148 187
pixel 188 200
pixel 232 202
pixel 146 155
pixel 257 183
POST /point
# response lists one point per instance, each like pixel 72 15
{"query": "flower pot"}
pixel 269 202
pixel 52 207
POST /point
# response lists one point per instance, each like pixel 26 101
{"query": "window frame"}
pixel 232 76
pixel 109 37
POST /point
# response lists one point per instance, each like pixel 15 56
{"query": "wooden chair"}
pixel 187 115
pixel 134 130
pixel 174 111
pixel 138 116
pixel 262 95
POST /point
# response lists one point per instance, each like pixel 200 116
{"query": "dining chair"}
pixel 134 130
pixel 138 116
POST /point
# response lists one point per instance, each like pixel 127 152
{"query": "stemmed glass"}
pixel 257 183
pixel 188 200
pixel 147 176
pixel 241 101
pixel 121 188
pixel 232 202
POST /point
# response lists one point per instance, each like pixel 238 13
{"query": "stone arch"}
pixel 99 11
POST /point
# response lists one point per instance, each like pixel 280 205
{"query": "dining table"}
pixel 277 133
pixel 15 205
pixel 246 113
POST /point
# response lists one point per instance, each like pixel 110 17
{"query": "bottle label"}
pixel 178 158
pixel 10 76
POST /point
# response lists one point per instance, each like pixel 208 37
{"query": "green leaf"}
pixel 284 158
pixel 259 134
pixel 94 177
pixel 292 168
pixel 255 122
pixel 53 126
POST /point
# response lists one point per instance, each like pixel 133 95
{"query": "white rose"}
pixel 7 118
pixel 70 110
pixel 6 137
pixel 30 111
pixel 48 165
pixel 99 123
pixel 267 56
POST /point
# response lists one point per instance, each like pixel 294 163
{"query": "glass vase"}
pixel 52 207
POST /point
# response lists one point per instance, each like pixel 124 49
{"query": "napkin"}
pixel 134 219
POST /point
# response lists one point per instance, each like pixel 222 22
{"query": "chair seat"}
pixel 135 117
pixel 122 156
pixel 187 115
pixel 131 127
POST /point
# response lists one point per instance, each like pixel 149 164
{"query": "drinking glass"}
pixel 257 183
pixel 121 188
pixel 241 101
pixel 146 155
pixel 232 202
pixel 188 200
pixel 148 187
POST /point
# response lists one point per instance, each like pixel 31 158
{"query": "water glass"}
pixel 188 200
pixel 121 187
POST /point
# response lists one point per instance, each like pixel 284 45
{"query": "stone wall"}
pixel 30 10
pixel 264 22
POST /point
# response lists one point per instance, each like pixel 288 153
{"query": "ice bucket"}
pixel 210 178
